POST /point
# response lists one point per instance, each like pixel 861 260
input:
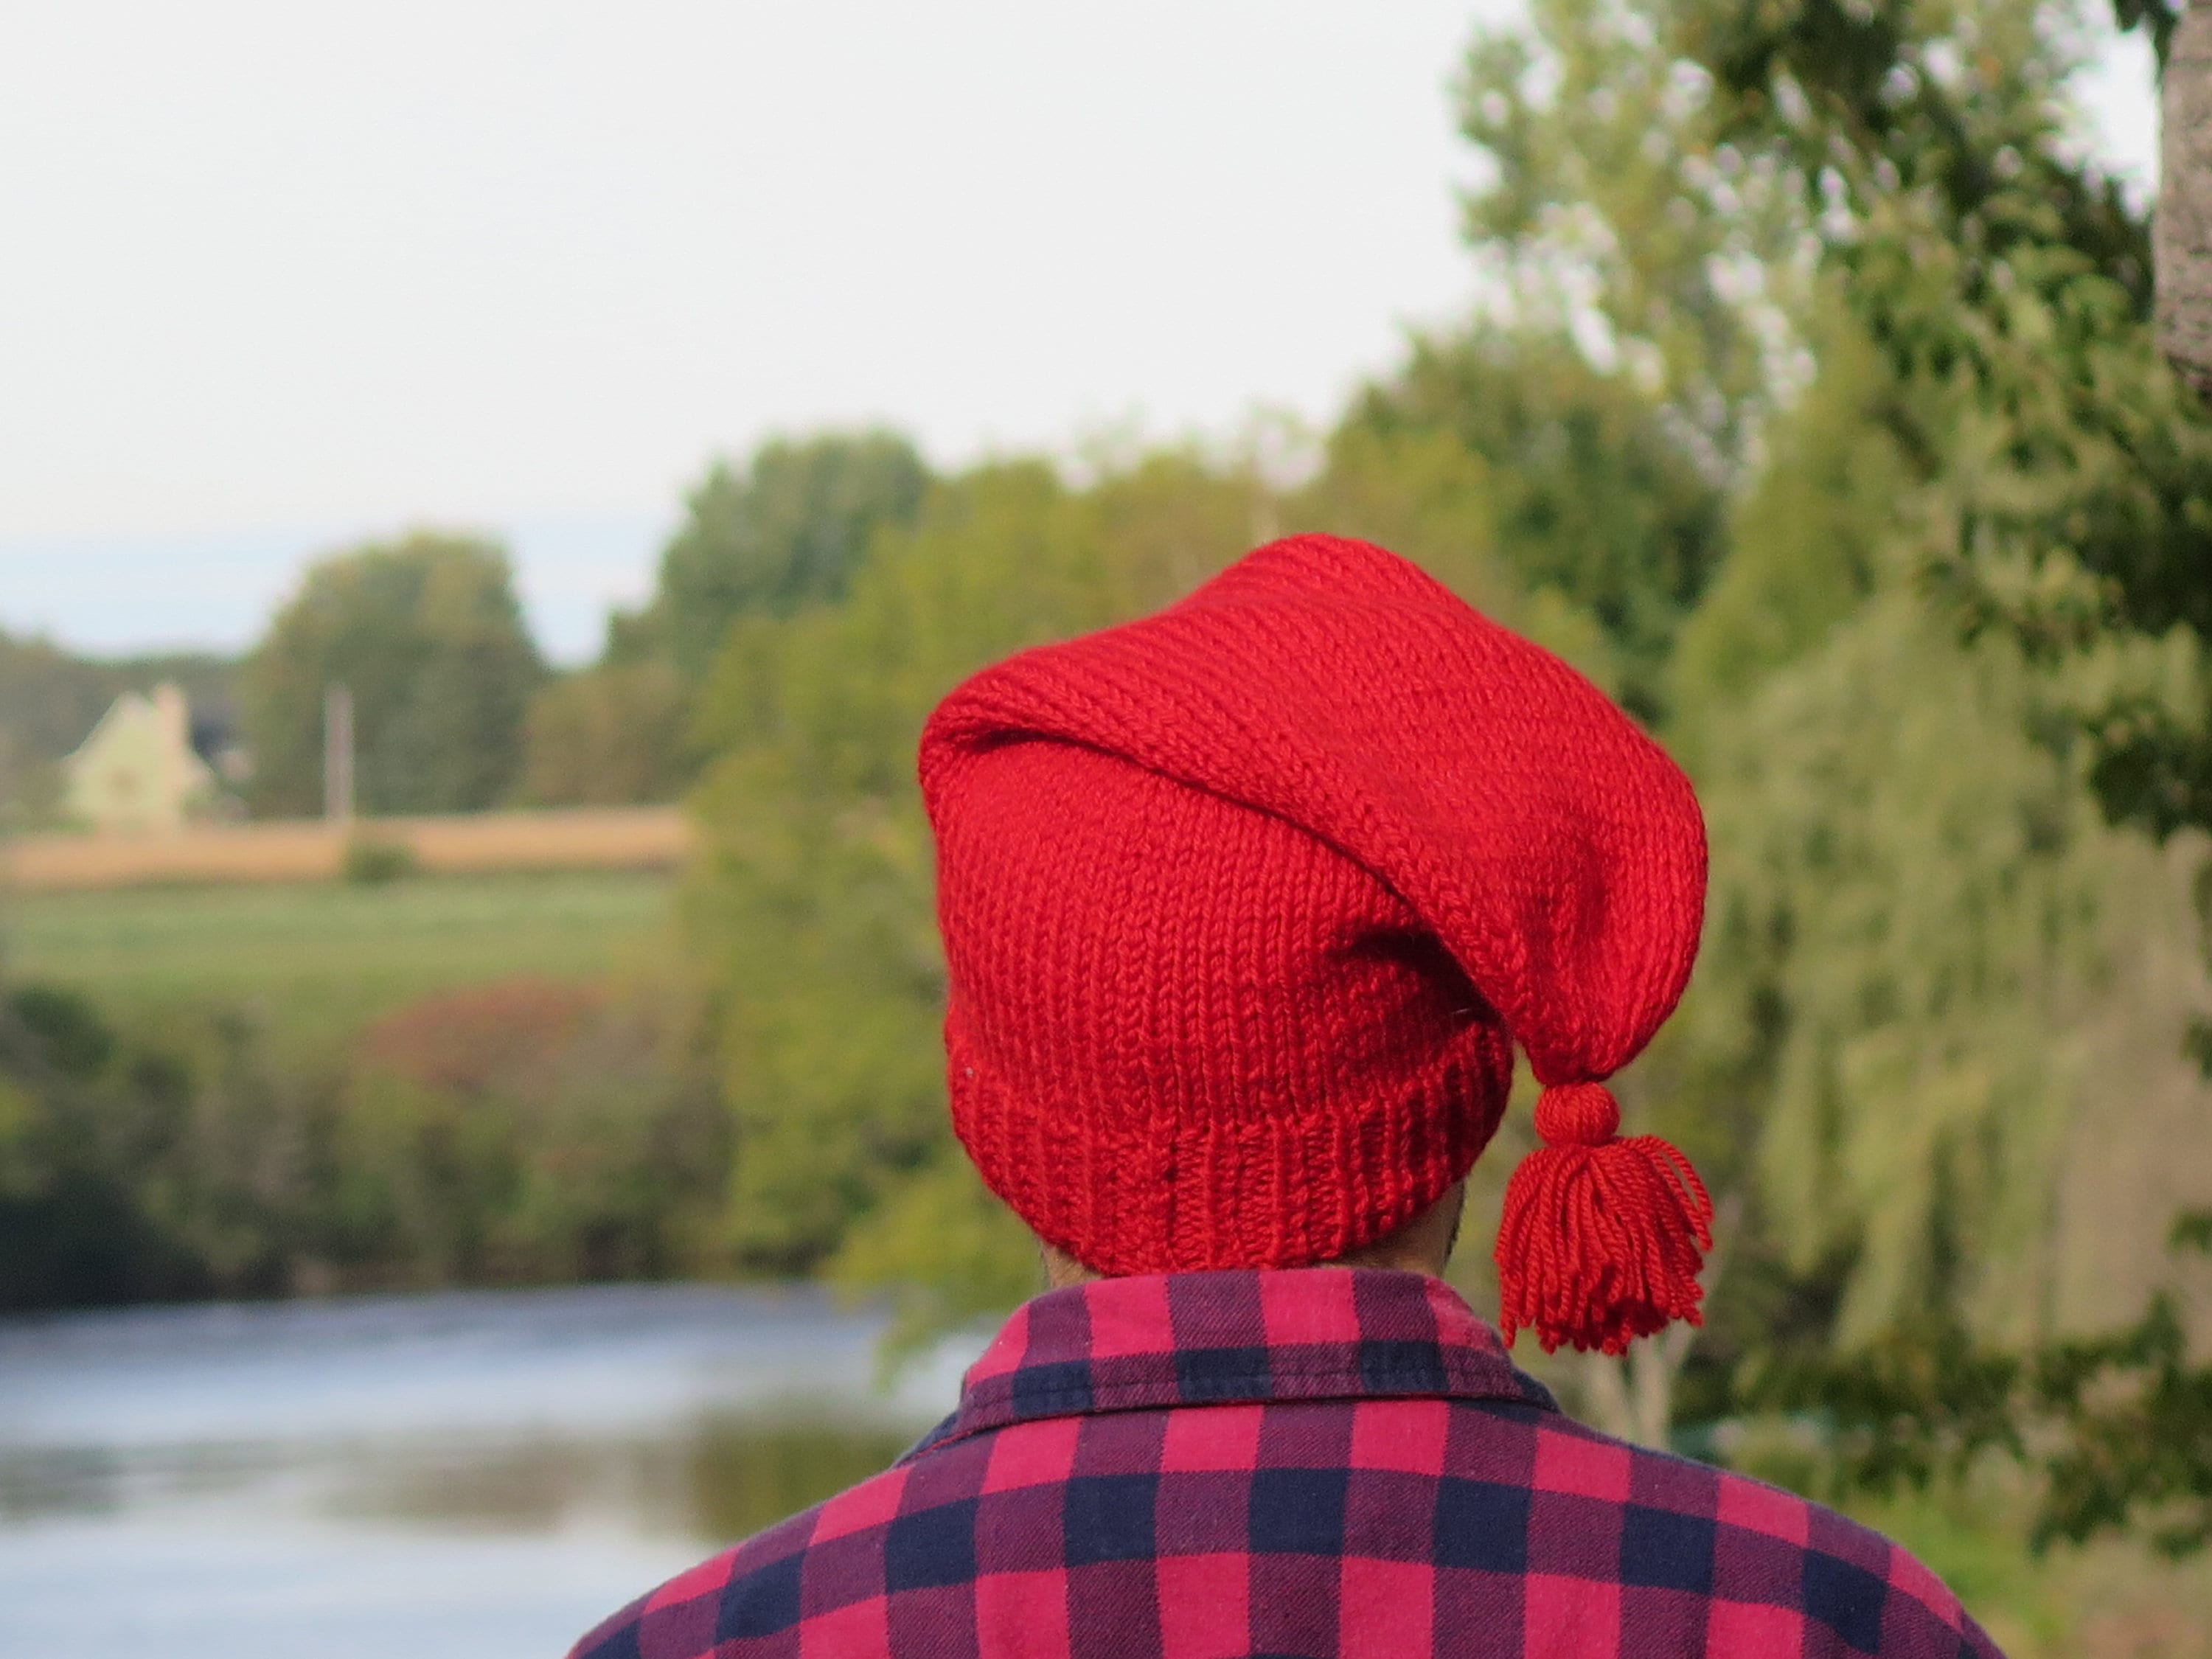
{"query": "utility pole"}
pixel 338 755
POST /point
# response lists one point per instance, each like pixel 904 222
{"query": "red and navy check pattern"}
pixel 1317 1462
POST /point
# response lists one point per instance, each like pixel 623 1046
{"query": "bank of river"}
pixel 478 1474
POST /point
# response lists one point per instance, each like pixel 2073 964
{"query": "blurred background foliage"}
pixel 427 636
pixel 1815 412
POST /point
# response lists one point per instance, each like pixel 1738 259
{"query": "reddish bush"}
pixel 475 1038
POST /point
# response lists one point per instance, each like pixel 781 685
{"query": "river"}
pixel 474 1473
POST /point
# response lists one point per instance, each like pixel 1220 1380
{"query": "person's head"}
pixel 1246 904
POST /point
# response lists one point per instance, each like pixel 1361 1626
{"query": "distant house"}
pixel 138 771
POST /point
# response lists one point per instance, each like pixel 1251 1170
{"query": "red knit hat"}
pixel 1244 904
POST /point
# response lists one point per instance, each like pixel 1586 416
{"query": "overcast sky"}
pixel 278 276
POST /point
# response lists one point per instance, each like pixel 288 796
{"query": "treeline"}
pixel 455 708
pixel 526 1132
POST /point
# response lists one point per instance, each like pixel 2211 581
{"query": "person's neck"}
pixel 1422 1245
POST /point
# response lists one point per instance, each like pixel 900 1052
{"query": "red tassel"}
pixel 1603 1238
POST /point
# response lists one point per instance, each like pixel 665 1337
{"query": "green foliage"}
pixel 609 736
pixel 1572 485
pixel 88 1123
pixel 2134 1420
pixel 1419 490
pixel 188 1160
pixel 2009 286
pixel 787 531
pixel 1915 880
pixel 1959 601
pixel 1649 158
pixel 526 1131
pixel 219 1121
pixel 2116 1428
pixel 426 635
pixel 1987 427
pixel 2072 513
pixel 1809 533
pixel 953 1253
pixel 2085 533
pixel 1953 112
pixel 372 860
pixel 1610 211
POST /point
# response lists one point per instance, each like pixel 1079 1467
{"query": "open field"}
pixel 314 849
pixel 313 961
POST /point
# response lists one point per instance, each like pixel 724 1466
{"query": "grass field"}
pixel 313 961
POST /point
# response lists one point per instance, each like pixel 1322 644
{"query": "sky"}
pixel 280 278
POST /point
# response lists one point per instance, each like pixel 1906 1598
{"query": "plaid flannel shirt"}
pixel 1325 1462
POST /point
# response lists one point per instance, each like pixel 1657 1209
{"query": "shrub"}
pixel 371 862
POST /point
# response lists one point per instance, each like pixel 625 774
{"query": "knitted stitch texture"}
pixel 1245 902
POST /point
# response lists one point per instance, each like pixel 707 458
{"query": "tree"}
pixel 82 1121
pixel 426 635
pixel 607 735
pixel 2062 463
pixel 2183 245
pixel 786 531
pixel 1926 891
pixel 1611 214
pixel 2117 1427
pixel 1810 534
pixel 1584 495
pixel 529 1130
pixel 1637 329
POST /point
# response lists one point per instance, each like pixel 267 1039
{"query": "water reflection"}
pixel 719 1482
pixel 482 1474
pixel 67 1481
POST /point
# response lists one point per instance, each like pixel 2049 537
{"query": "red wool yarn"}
pixel 1602 1237
pixel 1245 904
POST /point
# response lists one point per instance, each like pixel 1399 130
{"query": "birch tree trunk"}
pixel 1633 1398
pixel 2181 235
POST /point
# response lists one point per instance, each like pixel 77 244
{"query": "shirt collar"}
pixel 1162 1339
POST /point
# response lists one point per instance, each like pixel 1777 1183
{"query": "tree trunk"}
pixel 1633 1398
pixel 2181 236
